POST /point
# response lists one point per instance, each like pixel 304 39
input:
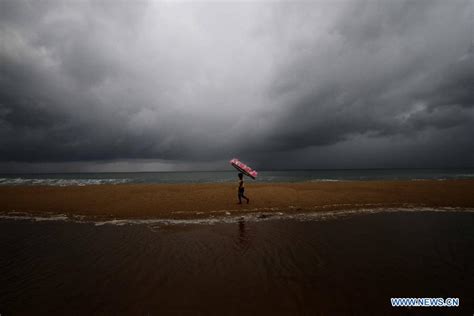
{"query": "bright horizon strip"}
pixel 424 302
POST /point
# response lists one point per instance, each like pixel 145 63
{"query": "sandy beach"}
pixel 203 200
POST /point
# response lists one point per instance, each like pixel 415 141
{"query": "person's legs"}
pixel 239 195
pixel 242 193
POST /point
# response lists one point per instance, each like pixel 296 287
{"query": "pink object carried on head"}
pixel 237 164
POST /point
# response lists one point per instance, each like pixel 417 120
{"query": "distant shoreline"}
pixel 220 177
pixel 226 170
pixel 203 200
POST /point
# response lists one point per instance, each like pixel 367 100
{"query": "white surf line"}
pixel 298 208
pixel 59 182
pixel 255 216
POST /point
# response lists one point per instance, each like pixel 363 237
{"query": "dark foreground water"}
pixel 350 265
pixel 65 179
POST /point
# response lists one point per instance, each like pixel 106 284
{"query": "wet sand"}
pixel 348 266
pixel 203 200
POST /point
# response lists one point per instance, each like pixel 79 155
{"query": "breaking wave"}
pixel 60 182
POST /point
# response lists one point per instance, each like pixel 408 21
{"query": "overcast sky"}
pixel 147 85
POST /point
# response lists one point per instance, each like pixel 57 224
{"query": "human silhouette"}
pixel 241 189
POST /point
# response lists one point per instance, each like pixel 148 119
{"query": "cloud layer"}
pixel 281 84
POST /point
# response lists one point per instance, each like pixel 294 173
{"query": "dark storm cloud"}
pixel 400 67
pixel 312 83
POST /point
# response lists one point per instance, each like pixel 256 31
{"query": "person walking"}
pixel 241 189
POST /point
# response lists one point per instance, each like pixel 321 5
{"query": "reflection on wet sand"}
pixel 244 237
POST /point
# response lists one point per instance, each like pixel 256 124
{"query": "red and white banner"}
pixel 239 165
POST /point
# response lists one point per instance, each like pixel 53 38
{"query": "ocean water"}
pixel 67 179
pixel 340 265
